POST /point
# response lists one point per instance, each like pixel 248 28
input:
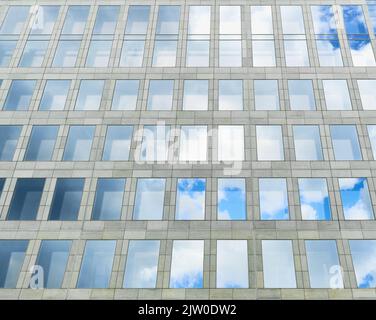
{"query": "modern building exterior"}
pixel 188 149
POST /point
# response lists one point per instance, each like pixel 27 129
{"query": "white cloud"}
pixel 361 210
pixel 308 213
pixel 191 205
pixel 348 183
pixel 273 202
pixel 224 215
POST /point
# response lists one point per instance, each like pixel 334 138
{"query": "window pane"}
pixel 19 95
pixel 231 199
pixel 261 20
pixel 149 199
pixel 99 53
pixel 89 95
pixel 367 94
pixel 354 19
pixel 292 20
pixel 15 19
pixel 296 53
pixel 168 20
pixel 199 20
pixel 132 53
pixel 187 264
pixel 75 20
pixel 197 53
pixel 363 253
pixel 55 95
pixel 9 136
pixel 266 94
pixel 12 254
pixel 78 145
pixel 142 264
pixel 273 199
pixel 108 199
pixel 45 19
pixel 372 15
pixel 195 95
pixel 229 20
pixel 345 142
pixel 154 145
pixel 6 52
pixel 269 143
pixel 362 53
pixel 66 53
pixel 230 95
pixel 193 143
pixel 230 53
pixel 301 95
pixel 160 94
pixel 232 264
pixel 324 21
pixel 336 95
pixel 33 54
pixel 96 264
pixel 230 143
pixel 53 258
pixel 118 143
pixel 314 199
pixel 164 53
pixel 2 182
pixel 329 52
pixel 67 199
pixel 125 95
pixel 105 22
pixel 41 143
pixel 307 143
pixel 138 20
pixel 190 199
pixel 278 264
pixel 26 198
pixel 356 201
pixel 372 138
pixel 263 53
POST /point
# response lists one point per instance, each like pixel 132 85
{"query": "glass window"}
pixel 78 145
pixel 53 258
pixel 230 143
pixel 107 16
pixel 190 199
pixel 160 94
pixel 363 254
pixel 372 137
pixel 19 95
pixel 266 94
pixel 75 20
pixel 12 255
pixel 125 95
pixel 168 20
pixel 307 143
pixel 45 19
pixel 269 143
pixel 99 53
pixel 26 198
pixel 187 264
pixel 154 145
pixel 356 201
pixel 345 142
pixel 367 94
pixel 336 95
pixel 66 201
pixel 66 53
pixel 314 199
pixel 329 52
pixel 33 54
pixel 138 19
pixel 301 95
pixel 273 199
pixel 89 95
pixel 193 143
pixel 9 136
pixel 6 52
pixel 54 95
pixel 230 95
pixel 354 19
pixel 278 264
pixel 41 143
pixel 195 95
pixel 232 264
pixel 323 19
pixel 149 200
pixel 231 199
pixel 292 20
pixel 261 20
pixel 108 200
pixel 199 20
pixel 230 53
pixel 372 15
pixel 132 53
pixel 15 19
pixel 142 264
pixel 2 183
pixel 198 53
pixel 230 20
pixel 296 53
pixel 323 264
pixel 263 53
pixel 118 143
pixel 96 264
pixel 164 53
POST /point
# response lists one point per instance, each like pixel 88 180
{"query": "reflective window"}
pixel 199 20
pixel 54 95
pixel 12 255
pixel 372 137
pixel 75 20
pixel 296 53
pixel 15 19
pixel 230 53
pixel 125 95
pixel 273 199
pixel 190 199
pixel 67 199
pixel 164 53
pixel 263 53
pixel 314 199
pixel 372 15
pixel 187 264
pixel 149 199
pixel 230 143
pixel 45 19
pixel 323 264
pixel 367 94
pixel 19 95
pixel 329 52
pixel 292 20
pixel 118 143
pixel 307 143
pixel 2 182
pixel 198 53
pixel 6 52
pixel 195 95
pixel 138 19
pixel 142 264
pixel 78 145
pixel 107 16
pixel 363 254
pixel 168 20
pixel 345 142
pixel 231 199
pixel 336 95
pixel 33 54
pixel 301 95
pixel 193 143
pixel 96 264
pixel 160 94
pixel 9 136
pixel 232 264
pixel 108 199
pixel 278 264
pixel 266 94
pixel 99 53
pixel 89 95
pixel 41 143
pixel 356 201
pixel 26 198
pixel 132 53
pixel 66 53
pixel 154 145
pixel 261 20
pixel 230 20
pixel 269 143
pixel 53 258
pixel 230 95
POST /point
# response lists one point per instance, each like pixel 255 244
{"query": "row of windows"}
pixel 160 95
pixel 190 202
pixel 325 20
pixel 143 262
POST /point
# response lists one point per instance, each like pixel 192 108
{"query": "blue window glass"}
pixel 2 183
pixel 307 143
pixel 19 95
pixel 230 96
pixel 54 95
pixel 301 95
pixel 354 19
pixel 99 53
pixel 108 199
pixel 78 145
pixel 345 142
pixel 323 19
pixel 9 136
pixel 45 19
pixel 96 264
pixel 231 199
pixel 196 95
pixel 15 19
pixel 106 20
pixel 372 138
pixel 138 19
pixel 89 95
pixel 154 146
pixel 67 199
pixel 75 20
pixel 118 143
pixel 266 95
pixel 6 52
pixel 132 53
pixel 273 199
pixel 336 94
pixel 41 143
pixel 363 253
pixel 198 53
pixel 164 53
pixel 26 199
pixel 125 95
pixel 168 20
pixel 66 53
pixel 33 54
pixel 160 94
pixel 372 16
pixel 190 199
